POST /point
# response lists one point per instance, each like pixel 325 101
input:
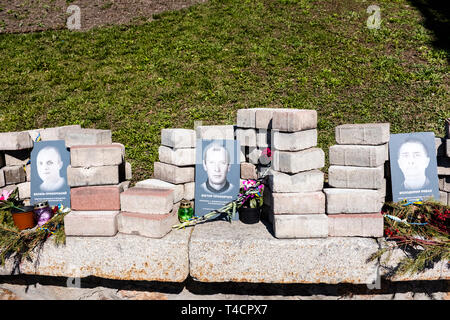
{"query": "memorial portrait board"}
pixel 217 175
pixel 49 162
pixel 413 166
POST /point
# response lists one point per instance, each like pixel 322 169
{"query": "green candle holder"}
pixel 185 212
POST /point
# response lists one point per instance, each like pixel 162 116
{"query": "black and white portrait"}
pixel 413 166
pixel 217 174
pixel 217 164
pixel 49 162
pixel 49 165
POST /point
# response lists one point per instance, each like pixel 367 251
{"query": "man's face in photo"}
pixel 216 165
pixel 49 164
pixel 413 159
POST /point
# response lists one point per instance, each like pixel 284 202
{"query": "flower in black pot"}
pixel 250 209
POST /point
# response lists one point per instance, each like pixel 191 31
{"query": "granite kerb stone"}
pixel 221 252
pixel 122 257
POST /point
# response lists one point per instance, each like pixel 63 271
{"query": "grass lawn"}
pixel 205 62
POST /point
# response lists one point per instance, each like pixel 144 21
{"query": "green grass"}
pixel 207 61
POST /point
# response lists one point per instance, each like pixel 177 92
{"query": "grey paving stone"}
pixel 365 133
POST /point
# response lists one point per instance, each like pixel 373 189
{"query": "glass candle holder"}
pixel 42 212
pixel 185 212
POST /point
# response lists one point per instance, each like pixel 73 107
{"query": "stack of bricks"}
pixel 150 208
pixel 254 133
pixel 15 151
pixel 357 179
pixel 175 169
pixel 293 199
pixel 443 161
pixel 97 175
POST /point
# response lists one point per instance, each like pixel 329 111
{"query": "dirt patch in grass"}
pixel 17 16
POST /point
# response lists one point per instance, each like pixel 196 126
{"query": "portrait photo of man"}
pixel 217 174
pixel 413 160
pixel 413 166
pixel 216 163
pixel 49 165
pixel 49 161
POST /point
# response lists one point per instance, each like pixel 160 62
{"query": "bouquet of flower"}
pixel 251 199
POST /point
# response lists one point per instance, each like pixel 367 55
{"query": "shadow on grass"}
pixel 437 19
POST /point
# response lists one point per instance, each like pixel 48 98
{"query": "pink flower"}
pixel 5 195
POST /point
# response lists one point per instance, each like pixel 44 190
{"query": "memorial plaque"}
pixel 413 166
pixel 49 162
pixel 217 174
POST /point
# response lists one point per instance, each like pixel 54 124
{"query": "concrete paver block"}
pixel 357 155
pixel 177 157
pixel 146 200
pixel 246 137
pixel 173 174
pixel 225 132
pixel 105 175
pixel 306 181
pixel 352 200
pixel 152 226
pixel 91 223
pixel 294 141
pixel 301 226
pixel 356 177
pixel 81 137
pixel 178 138
pixel 294 162
pixel 296 202
pixel 15 140
pixel 292 120
pixel 178 189
pixel 365 133
pixel 97 155
pixel 356 225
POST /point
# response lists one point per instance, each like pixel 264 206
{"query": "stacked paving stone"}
pixel 175 169
pixel 443 161
pixel 357 179
pixel 97 175
pixel 254 133
pixel 293 197
pixel 150 208
pixel 15 151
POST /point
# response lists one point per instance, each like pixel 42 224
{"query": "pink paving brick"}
pixel 95 198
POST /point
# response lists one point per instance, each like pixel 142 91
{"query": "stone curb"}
pixel 221 252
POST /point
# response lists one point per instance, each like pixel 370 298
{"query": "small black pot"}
pixel 249 215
